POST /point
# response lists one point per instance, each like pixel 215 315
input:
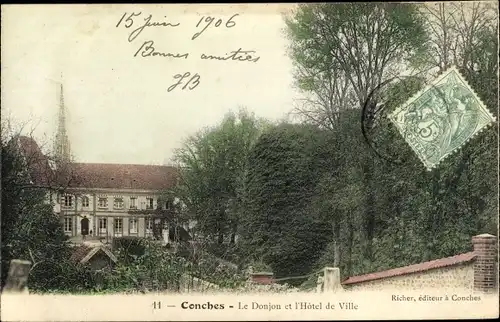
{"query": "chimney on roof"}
pixel 486 263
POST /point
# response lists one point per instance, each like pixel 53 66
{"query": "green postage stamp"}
pixel 441 118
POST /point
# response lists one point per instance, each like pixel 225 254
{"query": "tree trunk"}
pixel 369 212
pixel 432 218
pixel 350 244
pixel 336 243
pixel 233 233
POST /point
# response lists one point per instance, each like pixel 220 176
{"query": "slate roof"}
pixel 411 269
pixel 122 176
pixel 96 175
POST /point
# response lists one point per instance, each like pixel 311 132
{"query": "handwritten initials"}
pixel 194 81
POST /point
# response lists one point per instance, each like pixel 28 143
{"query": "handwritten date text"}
pixel 129 22
pixel 209 20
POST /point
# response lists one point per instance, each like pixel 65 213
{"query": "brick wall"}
pixel 475 271
pixel 453 277
pixel 486 263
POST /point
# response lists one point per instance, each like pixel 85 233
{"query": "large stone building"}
pixel 117 199
pixel 103 200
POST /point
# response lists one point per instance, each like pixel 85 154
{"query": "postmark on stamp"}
pixel 441 118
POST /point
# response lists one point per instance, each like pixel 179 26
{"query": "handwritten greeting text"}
pixel 137 23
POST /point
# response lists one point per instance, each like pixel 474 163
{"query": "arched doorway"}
pixel 84 225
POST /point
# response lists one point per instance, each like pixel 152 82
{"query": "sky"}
pixel 119 109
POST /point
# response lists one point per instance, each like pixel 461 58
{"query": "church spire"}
pixel 62 147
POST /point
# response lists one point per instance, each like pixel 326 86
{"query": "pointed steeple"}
pixel 62 149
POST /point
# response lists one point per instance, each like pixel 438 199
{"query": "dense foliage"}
pixel 386 214
pixel 294 198
pixel 315 194
pixel 31 230
pixel 284 167
pixel 212 165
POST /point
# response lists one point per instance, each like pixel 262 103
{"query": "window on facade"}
pixel 103 225
pixel 163 204
pixel 149 226
pixel 149 203
pixel 85 201
pixel 133 202
pixel 133 226
pixel 118 226
pixel 68 224
pixel 103 202
pixel 67 201
pixel 118 203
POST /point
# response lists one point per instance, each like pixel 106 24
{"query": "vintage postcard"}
pixel 211 162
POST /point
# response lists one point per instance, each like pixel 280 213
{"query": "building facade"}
pixel 109 208
pixel 103 200
pixel 107 200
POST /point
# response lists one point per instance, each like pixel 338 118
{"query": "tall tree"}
pixel 284 166
pixel 212 163
pixel 463 35
pixel 393 215
pixel 359 46
pixel 344 51
pixel 30 229
pixel 455 30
